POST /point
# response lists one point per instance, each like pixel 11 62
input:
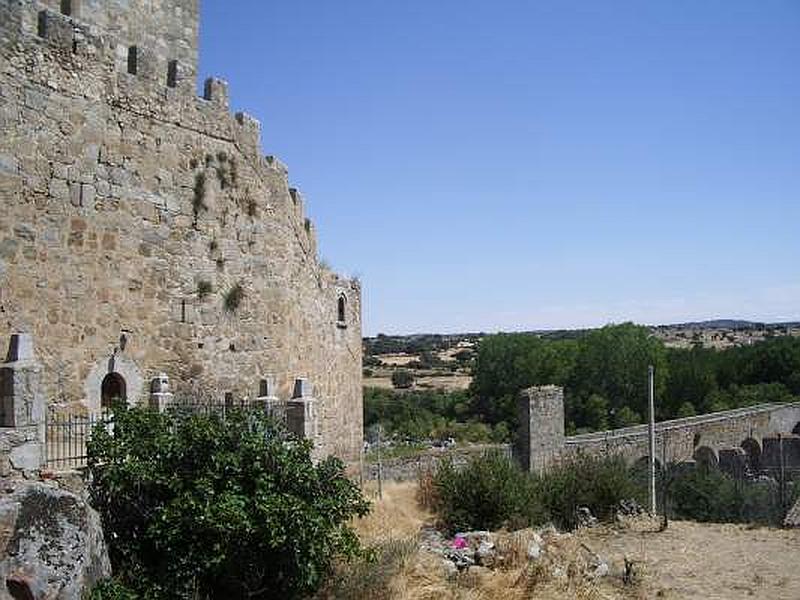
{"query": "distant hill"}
pixel 421 342
pixel 729 324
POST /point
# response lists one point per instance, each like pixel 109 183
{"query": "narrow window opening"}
pixel 228 400
pixel 341 310
pixel 172 74
pixel 133 60
pixel 183 311
pixel 41 28
pixel 66 7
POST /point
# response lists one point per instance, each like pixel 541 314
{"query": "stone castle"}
pixel 143 232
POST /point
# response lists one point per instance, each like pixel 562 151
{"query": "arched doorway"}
pixel 753 450
pixel 112 390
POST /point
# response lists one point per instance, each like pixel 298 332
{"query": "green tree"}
pixel 194 506
pixel 402 378
pixel 612 362
pixel 508 363
pixel 692 377
pixel 596 413
pixel 626 416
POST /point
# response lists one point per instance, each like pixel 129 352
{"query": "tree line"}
pixel 604 373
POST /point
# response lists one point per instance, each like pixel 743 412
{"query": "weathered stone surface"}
pixel 52 545
pixel 119 177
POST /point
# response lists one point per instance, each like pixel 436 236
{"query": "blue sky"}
pixel 517 164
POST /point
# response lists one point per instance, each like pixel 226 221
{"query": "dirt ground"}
pixel 709 561
pixel 687 561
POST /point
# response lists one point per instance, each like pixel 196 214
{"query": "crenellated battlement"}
pixel 154 41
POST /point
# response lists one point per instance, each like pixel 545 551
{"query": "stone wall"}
pixel 751 430
pixel 702 437
pixel 143 231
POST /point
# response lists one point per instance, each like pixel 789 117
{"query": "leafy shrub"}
pixel 492 491
pixel 598 483
pixel 709 495
pixel 489 492
pixel 194 506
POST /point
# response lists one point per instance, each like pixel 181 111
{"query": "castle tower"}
pixel 143 232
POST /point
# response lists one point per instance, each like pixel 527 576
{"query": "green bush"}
pixel 111 589
pixel 598 483
pixel 402 378
pixel 709 495
pixel 489 492
pixel 194 506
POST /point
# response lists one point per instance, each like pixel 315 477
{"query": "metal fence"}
pixel 67 434
pixel 66 438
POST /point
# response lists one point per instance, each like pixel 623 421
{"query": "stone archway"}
pixel 103 376
pixel 113 389
pixel 706 457
pixel 753 450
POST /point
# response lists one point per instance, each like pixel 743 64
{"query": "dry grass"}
pixel 688 561
pixel 396 516
pixel 399 516
pixel 454 383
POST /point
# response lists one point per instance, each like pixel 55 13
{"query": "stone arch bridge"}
pixel 764 437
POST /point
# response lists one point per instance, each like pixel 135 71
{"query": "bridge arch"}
pixel 753 450
pixel 706 457
pixel 796 429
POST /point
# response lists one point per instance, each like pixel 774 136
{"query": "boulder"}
pixel 51 543
pixel 585 517
pixel 486 554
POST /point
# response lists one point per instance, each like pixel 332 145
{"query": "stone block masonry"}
pixel 754 439
pixel 541 418
pixel 143 232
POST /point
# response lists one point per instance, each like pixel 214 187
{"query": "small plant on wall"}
pixel 234 297
pixel 199 201
pixel 204 289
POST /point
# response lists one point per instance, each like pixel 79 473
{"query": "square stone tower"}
pixel 540 440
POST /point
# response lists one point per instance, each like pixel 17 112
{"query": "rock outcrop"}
pixel 51 543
